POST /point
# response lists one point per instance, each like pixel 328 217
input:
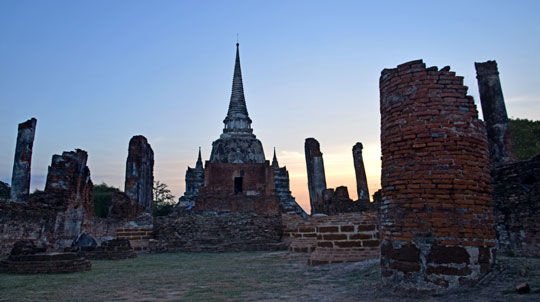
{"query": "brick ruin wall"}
pixel 24 221
pixel 437 213
pixel 299 233
pixel 217 232
pixel 139 237
pixel 332 239
pixel 517 207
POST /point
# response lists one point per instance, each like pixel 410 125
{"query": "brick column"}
pixel 437 212
pixel 20 179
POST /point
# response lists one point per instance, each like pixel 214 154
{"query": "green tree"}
pixel 4 190
pixel 525 138
pixel 102 199
pixel 163 199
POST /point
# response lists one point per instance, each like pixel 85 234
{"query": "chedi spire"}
pixel 237 120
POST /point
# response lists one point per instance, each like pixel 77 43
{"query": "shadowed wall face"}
pixel 437 211
pixel 494 111
pixel 20 179
pixel 315 172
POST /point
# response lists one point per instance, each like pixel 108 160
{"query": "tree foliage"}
pixel 102 199
pixel 4 190
pixel 163 199
pixel 525 138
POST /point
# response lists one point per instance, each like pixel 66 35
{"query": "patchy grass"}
pixel 245 276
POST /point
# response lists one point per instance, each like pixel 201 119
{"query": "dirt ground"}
pixel 250 276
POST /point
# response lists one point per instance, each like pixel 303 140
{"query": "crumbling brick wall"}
pixel 346 238
pixel 20 221
pixel 300 233
pixel 437 212
pixel 517 207
pixel 210 231
pixel 139 237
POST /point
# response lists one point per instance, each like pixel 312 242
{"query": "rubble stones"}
pixel 26 247
pixel 20 179
pixel 84 240
pixel 338 201
pixel 523 288
pixel 114 249
pixel 140 172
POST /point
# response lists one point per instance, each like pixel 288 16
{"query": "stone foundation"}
pixel 26 258
pixel 53 263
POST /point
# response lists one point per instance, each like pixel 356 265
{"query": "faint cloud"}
pixel 524 99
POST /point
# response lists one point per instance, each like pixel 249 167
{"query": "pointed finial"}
pixel 274 160
pixel 199 164
pixel 237 43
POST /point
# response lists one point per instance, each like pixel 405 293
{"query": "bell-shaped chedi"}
pixel 237 143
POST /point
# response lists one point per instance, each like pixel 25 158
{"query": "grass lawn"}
pixel 246 276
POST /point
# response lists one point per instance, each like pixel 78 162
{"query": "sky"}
pixel 96 73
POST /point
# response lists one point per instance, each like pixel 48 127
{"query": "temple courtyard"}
pixel 250 276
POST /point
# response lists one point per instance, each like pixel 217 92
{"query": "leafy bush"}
pixel 525 138
pixel 163 200
pixel 102 199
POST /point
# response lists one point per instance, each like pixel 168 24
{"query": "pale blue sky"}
pixel 95 73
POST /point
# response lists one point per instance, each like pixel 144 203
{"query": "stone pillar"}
pixel 494 112
pixel 20 179
pixel 361 179
pixel 437 222
pixel 315 172
pixel 140 172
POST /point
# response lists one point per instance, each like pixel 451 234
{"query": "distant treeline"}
pixel 525 138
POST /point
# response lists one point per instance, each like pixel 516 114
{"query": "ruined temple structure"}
pixel 238 178
pixel 69 187
pixel 282 184
pixel 140 172
pixel 315 172
pixel 437 221
pixel 361 179
pixel 494 112
pixel 20 179
pixel 194 180
pixel 516 185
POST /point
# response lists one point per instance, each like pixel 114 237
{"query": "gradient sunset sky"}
pixel 95 73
